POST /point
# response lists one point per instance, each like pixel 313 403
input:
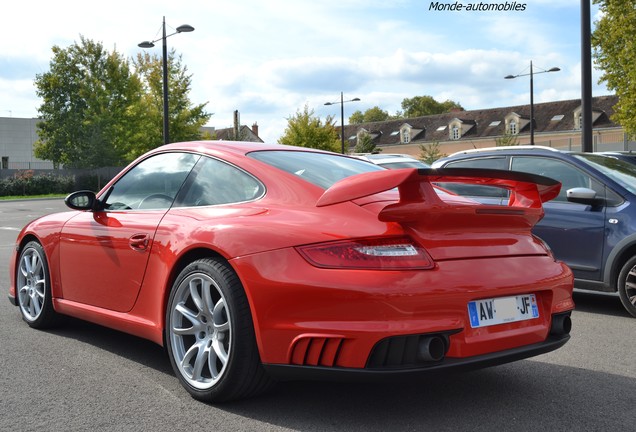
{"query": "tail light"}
pixel 393 253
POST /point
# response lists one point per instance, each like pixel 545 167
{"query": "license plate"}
pixel 488 312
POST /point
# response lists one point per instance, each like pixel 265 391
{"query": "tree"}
pixel 374 114
pixel 507 139
pixel 429 153
pixel 306 130
pixel 91 107
pixel 425 105
pixel 365 144
pixel 185 119
pixel 614 51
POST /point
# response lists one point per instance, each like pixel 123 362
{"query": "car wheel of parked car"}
pixel 627 286
pixel 33 287
pixel 210 336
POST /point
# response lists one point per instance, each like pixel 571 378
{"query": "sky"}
pixel 269 59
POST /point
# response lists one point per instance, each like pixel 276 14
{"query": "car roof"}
pixel 383 157
pixel 237 147
pixel 507 148
pixel 503 150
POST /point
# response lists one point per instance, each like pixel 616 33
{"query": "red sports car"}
pixel 252 262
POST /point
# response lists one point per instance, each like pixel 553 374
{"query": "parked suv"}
pixel 591 225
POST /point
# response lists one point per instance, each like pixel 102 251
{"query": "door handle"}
pixel 139 242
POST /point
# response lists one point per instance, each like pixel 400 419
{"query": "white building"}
pixel 17 141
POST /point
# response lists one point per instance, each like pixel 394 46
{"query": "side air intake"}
pixel 316 351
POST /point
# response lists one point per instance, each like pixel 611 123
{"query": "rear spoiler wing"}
pixel 415 186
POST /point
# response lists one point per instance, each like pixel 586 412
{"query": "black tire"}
pixel 210 335
pixel 33 287
pixel 627 286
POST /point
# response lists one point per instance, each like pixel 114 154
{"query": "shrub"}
pixel 25 183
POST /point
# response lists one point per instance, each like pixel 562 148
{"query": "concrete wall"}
pixel 17 138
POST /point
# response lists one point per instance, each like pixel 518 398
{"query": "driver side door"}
pixel 103 254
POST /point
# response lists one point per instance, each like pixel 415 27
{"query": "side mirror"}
pixel 583 195
pixel 82 200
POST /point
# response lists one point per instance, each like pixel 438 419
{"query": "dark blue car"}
pixel 591 225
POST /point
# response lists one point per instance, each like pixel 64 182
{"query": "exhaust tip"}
pixel 561 324
pixel 431 349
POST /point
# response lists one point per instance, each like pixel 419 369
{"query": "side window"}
pixel 567 174
pixel 153 183
pixel 215 182
pixel 500 163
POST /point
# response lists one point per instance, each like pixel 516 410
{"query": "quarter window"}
pixel 214 182
pixel 500 163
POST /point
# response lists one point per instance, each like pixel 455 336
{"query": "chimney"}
pixel 237 124
pixel 255 128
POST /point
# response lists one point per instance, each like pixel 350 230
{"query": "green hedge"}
pixel 26 183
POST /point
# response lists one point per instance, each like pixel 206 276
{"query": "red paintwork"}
pixel 103 271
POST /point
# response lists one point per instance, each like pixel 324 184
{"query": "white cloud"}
pixel 269 59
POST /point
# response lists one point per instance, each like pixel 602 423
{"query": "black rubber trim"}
pixel 13 300
pixel 294 372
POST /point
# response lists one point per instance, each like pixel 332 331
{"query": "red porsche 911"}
pixel 251 262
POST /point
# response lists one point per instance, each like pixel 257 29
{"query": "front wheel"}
pixel 33 287
pixel 210 336
pixel 627 286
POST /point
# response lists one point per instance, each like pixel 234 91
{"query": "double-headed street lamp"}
pixel 342 102
pixel 150 44
pixel 554 69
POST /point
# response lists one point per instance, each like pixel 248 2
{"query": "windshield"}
pixel 622 172
pixel 321 169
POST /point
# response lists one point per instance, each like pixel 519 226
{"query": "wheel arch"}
pixel 620 254
pixel 182 262
pixel 22 243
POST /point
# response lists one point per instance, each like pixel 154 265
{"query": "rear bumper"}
pixel 294 372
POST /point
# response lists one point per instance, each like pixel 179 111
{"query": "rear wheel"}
pixel 34 287
pixel 210 336
pixel 627 286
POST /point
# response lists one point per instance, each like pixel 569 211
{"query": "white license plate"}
pixel 502 310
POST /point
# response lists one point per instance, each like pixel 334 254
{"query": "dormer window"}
pixel 406 135
pixel 515 123
pixel 455 133
pixel 512 127
pixel 578 117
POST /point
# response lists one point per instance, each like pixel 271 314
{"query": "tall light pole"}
pixel 554 69
pixel 342 102
pixel 185 28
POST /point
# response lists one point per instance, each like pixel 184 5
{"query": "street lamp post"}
pixel 185 28
pixel 342 102
pixel 531 74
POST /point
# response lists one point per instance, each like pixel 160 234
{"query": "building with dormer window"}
pixel 556 124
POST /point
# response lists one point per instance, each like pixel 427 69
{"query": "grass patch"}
pixel 19 197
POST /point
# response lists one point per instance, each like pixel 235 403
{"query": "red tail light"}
pixel 394 253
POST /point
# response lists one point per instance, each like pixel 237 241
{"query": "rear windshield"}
pixel 321 169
